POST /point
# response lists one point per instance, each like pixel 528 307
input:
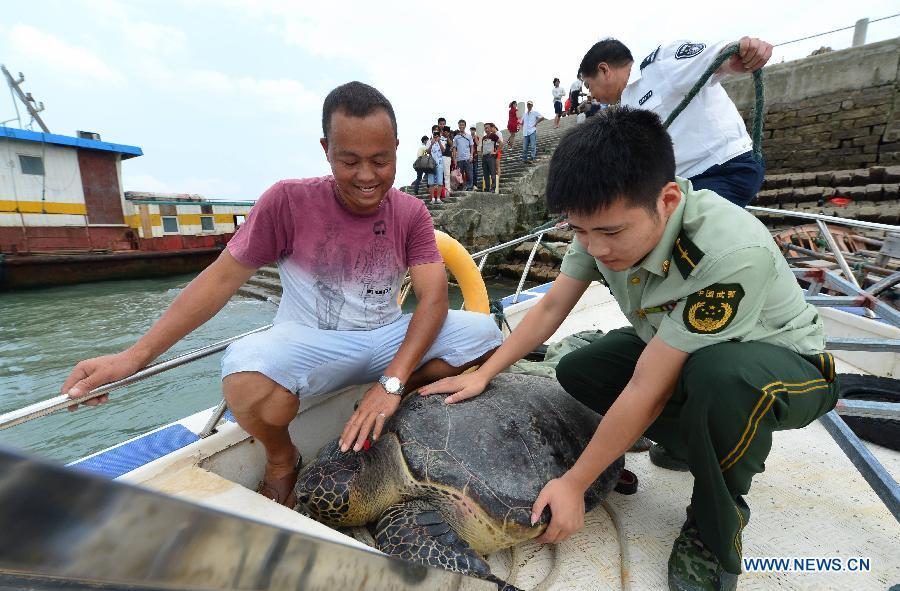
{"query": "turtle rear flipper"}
pixel 416 531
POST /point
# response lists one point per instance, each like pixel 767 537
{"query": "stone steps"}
pixel 873 192
pixel 265 284
pixel 835 178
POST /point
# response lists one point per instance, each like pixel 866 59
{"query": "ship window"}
pixel 31 164
pixel 206 209
pixel 207 224
pixel 238 220
pixel 170 225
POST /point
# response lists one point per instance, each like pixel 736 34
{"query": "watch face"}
pixel 392 384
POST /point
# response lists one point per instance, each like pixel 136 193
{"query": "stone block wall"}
pixel 836 110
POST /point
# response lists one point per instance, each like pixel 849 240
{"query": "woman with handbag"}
pixel 421 172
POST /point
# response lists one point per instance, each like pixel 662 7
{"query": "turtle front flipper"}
pixel 417 532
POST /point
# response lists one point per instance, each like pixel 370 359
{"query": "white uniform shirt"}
pixel 575 86
pixel 558 93
pixel 710 130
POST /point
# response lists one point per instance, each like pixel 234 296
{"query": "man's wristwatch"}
pixel 391 385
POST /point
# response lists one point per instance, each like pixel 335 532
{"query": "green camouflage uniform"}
pixel 715 286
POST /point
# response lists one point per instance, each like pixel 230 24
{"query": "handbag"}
pixel 425 163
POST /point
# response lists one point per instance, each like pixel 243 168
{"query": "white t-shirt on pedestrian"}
pixel 558 93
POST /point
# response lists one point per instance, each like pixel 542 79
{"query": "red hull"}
pixel 32 271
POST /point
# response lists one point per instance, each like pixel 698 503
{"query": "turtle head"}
pixel 338 488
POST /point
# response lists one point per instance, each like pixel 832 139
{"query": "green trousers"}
pixel 728 401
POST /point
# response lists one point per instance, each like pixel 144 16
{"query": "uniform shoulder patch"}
pixel 650 58
pixel 711 310
pixel 686 254
pixel 645 98
pixel 689 50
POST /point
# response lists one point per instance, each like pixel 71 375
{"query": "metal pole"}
pixel 837 283
pixel 859 32
pixel 210 427
pixel 836 251
pixel 841 261
pixel 862 344
pixel 15 87
pixel 39 409
pixel 868 465
pixel 827 218
pixel 537 244
pixel 867 408
pixel 518 240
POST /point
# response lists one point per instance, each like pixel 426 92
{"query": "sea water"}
pixel 44 333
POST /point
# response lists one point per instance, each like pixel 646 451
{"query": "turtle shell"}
pixel 500 448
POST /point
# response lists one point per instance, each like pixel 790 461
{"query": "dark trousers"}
pixel 728 401
pixel 737 180
pixel 573 100
pixel 489 168
pixel 420 175
pixel 465 166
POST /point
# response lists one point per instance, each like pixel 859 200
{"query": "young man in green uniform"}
pixel 722 349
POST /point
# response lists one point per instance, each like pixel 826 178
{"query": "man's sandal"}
pixel 281 490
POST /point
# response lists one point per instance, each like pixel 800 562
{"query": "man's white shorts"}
pixel 309 361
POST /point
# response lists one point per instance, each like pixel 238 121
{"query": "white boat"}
pixel 811 502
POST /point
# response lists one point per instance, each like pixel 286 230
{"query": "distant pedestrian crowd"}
pixel 449 159
pixel 468 159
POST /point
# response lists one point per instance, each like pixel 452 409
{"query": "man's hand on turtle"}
pixel 373 410
pixel 566 502
pixel 752 55
pixel 461 387
pixel 92 373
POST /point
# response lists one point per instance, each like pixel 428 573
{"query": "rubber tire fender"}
pixel 884 432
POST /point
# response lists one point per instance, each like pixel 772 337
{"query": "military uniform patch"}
pixel 710 310
pixel 689 50
pixel 645 98
pixel 650 58
pixel 686 254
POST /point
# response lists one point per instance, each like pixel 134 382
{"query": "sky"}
pixel 225 96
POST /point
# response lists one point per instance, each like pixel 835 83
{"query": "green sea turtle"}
pixel 448 484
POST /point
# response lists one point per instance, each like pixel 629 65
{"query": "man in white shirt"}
pixel 529 132
pixel 558 94
pixel 574 94
pixel 712 147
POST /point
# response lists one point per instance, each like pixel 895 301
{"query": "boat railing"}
pixel 536 235
pixel 40 409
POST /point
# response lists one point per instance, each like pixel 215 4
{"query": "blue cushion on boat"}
pixel 541 288
pixel 508 300
pixel 126 457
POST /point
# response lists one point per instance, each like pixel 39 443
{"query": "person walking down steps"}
pixel 530 120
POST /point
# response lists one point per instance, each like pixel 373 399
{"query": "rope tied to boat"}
pixel 499 314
